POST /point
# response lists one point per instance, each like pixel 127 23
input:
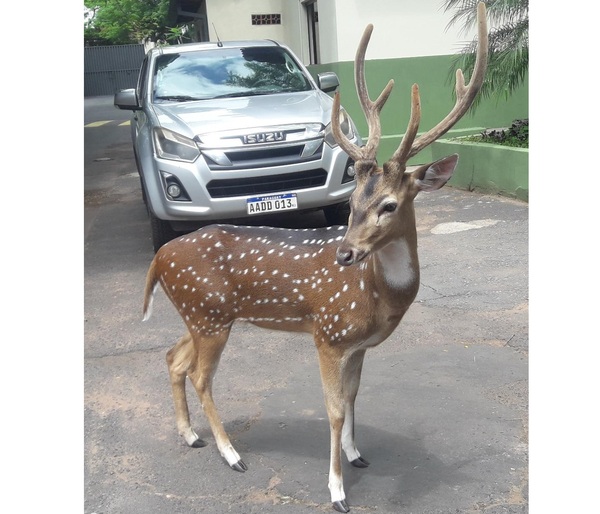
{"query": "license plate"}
pixel 274 203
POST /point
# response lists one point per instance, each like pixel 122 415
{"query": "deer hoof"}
pixel 341 506
pixel 239 466
pixel 360 463
pixel 199 443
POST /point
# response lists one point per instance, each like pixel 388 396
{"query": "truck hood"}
pixel 210 116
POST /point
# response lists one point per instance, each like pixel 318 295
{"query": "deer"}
pixel 347 286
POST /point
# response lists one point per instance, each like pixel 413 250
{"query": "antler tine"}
pixel 465 95
pixel 350 148
pixel 370 109
pixel 401 155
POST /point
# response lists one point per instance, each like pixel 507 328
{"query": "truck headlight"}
pixel 173 146
pixel 346 125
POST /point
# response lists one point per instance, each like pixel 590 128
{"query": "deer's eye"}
pixel 390 207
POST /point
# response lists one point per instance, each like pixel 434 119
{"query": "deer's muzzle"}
pixel 346 256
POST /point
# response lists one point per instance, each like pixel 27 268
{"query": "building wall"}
pixel 402 28
pixel 436 89
pixel 232 20
pixel 294 19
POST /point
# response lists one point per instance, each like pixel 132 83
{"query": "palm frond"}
pixel 508 50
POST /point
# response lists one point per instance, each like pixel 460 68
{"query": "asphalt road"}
pixel 442 414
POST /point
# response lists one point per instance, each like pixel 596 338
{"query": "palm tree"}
pixel 508 43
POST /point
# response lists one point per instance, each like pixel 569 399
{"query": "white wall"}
pixel 294 19
pixel 232 20
pixel 402 28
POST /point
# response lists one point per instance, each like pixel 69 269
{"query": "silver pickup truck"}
pixel 232 130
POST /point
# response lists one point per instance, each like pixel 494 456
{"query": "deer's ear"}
pixel 433 176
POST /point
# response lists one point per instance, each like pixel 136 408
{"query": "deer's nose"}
pixel 345 257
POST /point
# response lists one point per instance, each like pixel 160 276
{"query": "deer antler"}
pixel 465 95
pixel 401 155
pixel 409 147
pixel 370 109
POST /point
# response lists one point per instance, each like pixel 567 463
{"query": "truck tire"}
pixel 337 214
pixel 161 232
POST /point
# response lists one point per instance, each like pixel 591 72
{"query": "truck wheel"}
pixel 161 232
pixel 337 214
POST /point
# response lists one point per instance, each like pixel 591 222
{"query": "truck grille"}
pixel 247 158
pixel 226 188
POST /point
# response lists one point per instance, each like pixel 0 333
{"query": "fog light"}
pixel 174 191
pixel 349 172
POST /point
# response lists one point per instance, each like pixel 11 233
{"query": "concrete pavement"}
pixel 442 414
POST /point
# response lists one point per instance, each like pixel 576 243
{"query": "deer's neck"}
pixel 396 271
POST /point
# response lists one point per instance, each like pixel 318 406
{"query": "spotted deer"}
pixel 347 286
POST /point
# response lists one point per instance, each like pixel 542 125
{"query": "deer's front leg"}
pixel 351 375
pixel 330 363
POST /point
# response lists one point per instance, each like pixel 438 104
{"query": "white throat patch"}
pixel 396 263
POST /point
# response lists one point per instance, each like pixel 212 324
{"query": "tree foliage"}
pixel 508 60
pixel 126 21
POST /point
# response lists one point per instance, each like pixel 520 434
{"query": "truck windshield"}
pixel 226 72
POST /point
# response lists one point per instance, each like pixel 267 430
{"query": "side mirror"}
pixel 328 81
pixel 127 99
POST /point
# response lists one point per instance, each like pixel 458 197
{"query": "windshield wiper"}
pixel 178 98
pixel 243 93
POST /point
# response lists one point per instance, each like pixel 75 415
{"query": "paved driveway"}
pixel 442 410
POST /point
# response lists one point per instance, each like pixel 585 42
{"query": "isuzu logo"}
pixel 263 137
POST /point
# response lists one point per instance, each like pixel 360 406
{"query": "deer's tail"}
pixel 151 285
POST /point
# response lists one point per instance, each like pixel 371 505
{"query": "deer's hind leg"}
pixel 180 359
pixel 209 348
